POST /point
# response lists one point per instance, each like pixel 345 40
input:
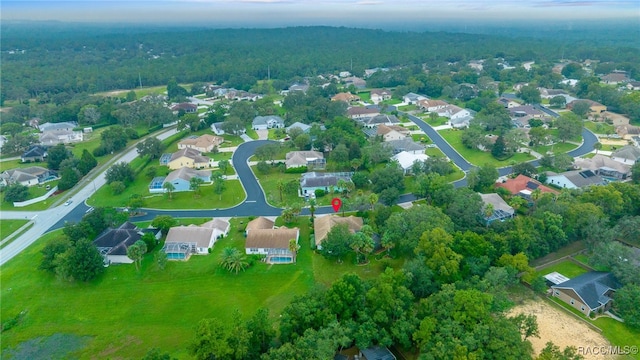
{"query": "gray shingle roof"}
pixel 592 287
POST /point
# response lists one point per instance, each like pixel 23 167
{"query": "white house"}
pixel 267 122
pixel 304 127
pixel 407 159
pixel 628 154
pixel 413 98
pixel 273 243
pixel 574 179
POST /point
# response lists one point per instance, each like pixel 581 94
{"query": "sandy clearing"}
pixel 561 328
pixel 604 141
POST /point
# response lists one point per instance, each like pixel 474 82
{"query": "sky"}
pixel 366 13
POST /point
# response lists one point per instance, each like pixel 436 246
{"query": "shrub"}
pixel 319 193
pixel 296 170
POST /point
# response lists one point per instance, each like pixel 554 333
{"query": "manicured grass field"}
pixel 365 96
pixel 34 192
pixel 125 312
pixel 477 157
pixel 408 107
pixel 231 140
pixel 440 120
pixel 7 227
pixel 252 134
pixel 599 127
pixel 557 148
pixel 566 268
pixel 233 195
pixel 12 164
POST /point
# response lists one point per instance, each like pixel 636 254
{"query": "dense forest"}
pixel 100 59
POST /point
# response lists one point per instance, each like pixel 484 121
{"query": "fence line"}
pixel 35 200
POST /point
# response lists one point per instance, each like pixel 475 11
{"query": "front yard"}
pixel 477 157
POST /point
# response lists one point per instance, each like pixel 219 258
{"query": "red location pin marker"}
pixel 336 203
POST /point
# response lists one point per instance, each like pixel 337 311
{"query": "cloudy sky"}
pixel 315 12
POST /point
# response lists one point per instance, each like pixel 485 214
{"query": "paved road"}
pixel 254 204
pixel 54 218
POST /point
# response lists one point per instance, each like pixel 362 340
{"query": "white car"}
pixel 68 202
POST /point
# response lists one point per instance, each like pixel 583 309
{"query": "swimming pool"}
pixel 280 260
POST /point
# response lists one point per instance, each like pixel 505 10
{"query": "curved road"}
pixel 255 203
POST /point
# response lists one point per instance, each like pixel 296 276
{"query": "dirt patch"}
pixel 613 142
pixel 561 328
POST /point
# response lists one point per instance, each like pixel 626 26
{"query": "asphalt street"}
pixel 254 204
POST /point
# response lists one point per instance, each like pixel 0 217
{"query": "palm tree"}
pixel 194 185
pixel 373 200
pixel 233 260
pixel 169 188
pixel 597 146
pixel 280 186
pixel 312 207
pixel 356 163
pixel 294 247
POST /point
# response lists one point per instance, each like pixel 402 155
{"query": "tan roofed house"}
pixel 431 105
pixel 182 241
pixel 191 158
pixel 260 222
pixel 346 97
pixel 203 143
pixel 392 132
pixel 323 225
pixel 274 243
pixel 310 159
pixel 378 95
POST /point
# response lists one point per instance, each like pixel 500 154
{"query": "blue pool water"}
pixel 280 259
pixel 175 256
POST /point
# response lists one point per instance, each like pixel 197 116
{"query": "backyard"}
pixel 566 267
pixel 159 307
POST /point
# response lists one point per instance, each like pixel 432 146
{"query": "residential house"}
pixel 381 119
pixel 635 140
pixel 258 223
pixel 379 95
pixel 376 353
pixel 180 179
pixel 551 93
pixel 574 179
pixel 355 81
pixel 54 137
pixel 299 87
pixel 322 225
pixel 432 105
pixel 588 293
pixel 30 176
pixel 3 140
pixel 360 112
pixel 345 97
pixel 113 243
pixel 627 131
pixel 304 127
pixel 190 158
pixel 202 143
pixel 524 186
pixel 392 132
pixel 312 181
pixel 369 72
pixel 217 128
pixel 35 153
pixel 615 119
pixel 461 122
pixel 267 122
pixel 274 243
pixel 61 126
pixel 453 112
pixel 604 166
pixel 500 210
pixel 594 107
pixel 310 159
pixel 186 107
pixel 615 78
pixel 407 145
pixel 507 103
pixel 628 154
pixel 406 160
pixel 413 98
pixel 525 110
pixel 633 85
pixel 344 74
pixel 183 241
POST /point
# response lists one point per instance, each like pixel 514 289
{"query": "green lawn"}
pixel 34 192
pixel 7 227
pixel 125 312
pixel 408 107
pixel 477 157
pixel 557 148
pixel 422 138
pixel 566 268
pixel 269 183
pixel 365 96
pixel 231 140
pixel 233 195
pixel 440 120
pixel 599 127
pixel 253 134
pixel 12 164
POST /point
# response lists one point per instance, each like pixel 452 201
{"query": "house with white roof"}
pixel 267 122
pixel 183 241
pixel 406 160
